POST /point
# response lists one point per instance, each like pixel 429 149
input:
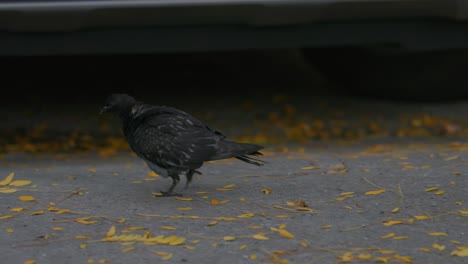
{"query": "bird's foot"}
pixel 168 194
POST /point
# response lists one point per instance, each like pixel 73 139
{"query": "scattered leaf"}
pixel 10 230
pixel 184 208
pixel 284 233
pixel 424 249
pixel 460 252
pixel 375 192
pixel 30 261
pixel 438 247
pixel 37 212
pixel 184 198
pixel 214 202
pixel 364 256
pixel 85 221
pixel 451 158
pixel 389 235
pixel 57 228
pixel 168 228
pixel 83 245
pixel 405 259
pixel 439 192
pixel 310 168
pixel 392 222
pixel 17 209
pixel 400 237
pixel 266 191
pixel 152 174
pixel 8 190
pixel 242 247
pixel 260 236
pixel 346 193
pixel 347 257
pixel 326 227
pixel 229 238
pixel 382 259
pixel 111 231
pixel 437 234
pixel 212 223
pixel 421 217
pixel 8 179
pixel 6 217
pixel 396 210
pixel 253 256
pixel 20 183
pixel 128 249
pixel 26 198
pixel 431 189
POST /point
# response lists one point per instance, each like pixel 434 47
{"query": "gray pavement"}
pixel 318 195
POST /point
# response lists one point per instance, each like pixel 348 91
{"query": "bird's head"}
pixel 117 103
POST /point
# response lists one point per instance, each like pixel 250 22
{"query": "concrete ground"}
pixel 348 180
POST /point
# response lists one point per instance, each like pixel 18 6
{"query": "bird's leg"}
pixel 189 176
pixel 175 181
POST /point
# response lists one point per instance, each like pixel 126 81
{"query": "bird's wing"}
pixel 173 139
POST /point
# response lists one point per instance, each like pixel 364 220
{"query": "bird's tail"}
pixel 241 151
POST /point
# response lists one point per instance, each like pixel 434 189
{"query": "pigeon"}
pixel 172 142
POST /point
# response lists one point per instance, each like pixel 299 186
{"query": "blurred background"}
pixel 272 72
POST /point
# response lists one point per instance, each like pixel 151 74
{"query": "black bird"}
pixel 171 141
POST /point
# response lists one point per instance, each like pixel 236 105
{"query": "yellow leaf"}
pixel 431 189
pixel 456 242
pixel 439 192
pixel 243 247
pixel 30 261
pixel 396 210
pixel 347 257
pixel 405 259
pixel 10 230
pixel 7 190
pixel 90 261
pixel 8 179
pixel 111 231
pixel 421 217
pixel 178 241
pixel 393 222
pixel 81 237
pixel 310 168
pixel 214 202
pixel 189 247
pixel 202 192
pixel 168 228
pixel 57 228
pixel 128 249
pixel 212 223
pixel 229 186
pixel 253 257
pixel 92 169
pixel 282 226
pixel 284 233
pixel 6 217
pixel 463 212
pixel 62 211
pixel 389 235
pixel 255 227
pixel 363 256
pixel 17 209
pixel 266 191
pixel 451 158
pixel 26 198
pixel 229 238
pixel 304 244
pixel 400 237
pixel 246 215
pixel 37 212
pixel 85 221
pixel 184 198
pixel 424 249
pixel 326 227
pixel 346 193
pixel 438 247
pixel 103 261
pixel 342 198
pixel 160 253
pixel 260 236
pixel 152 174
pixel 184 208
pixel 83 246
pixel 375 192
pixel 134 228
pixel 214 244
pixel 437 234
pixel 20 183
pixel 382 259
pixel 460 252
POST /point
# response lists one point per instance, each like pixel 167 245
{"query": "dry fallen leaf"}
pixel 310 168
pixel 26 198
pixel 363 256
pixel 168 228
pixel 184 198
pixel 19 183
pixel 437 234
pixel 431 189
pixel 260 236
pixel 438 247
pixel 111 231
pixel 7 190
pixel 266 191
pixel 7 180
pixel 375 192
pixel 17 209
pixel 392 222
pixel 389 235
pixel 214 202
pixel 229 238
pixel 347 257
pixel 460 252
pixel 212 223
pixel 30 261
